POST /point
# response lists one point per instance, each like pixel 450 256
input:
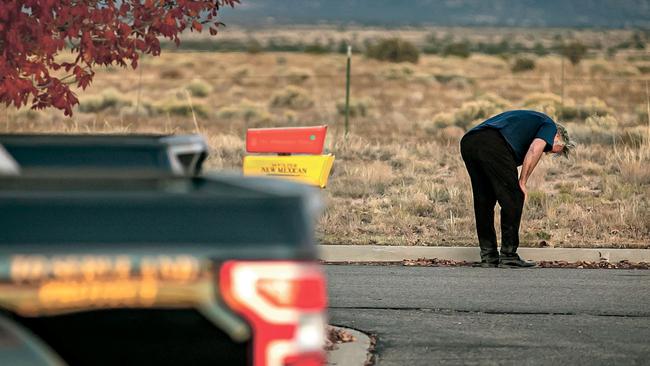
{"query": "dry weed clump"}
pixel 450 134
pixel 362 180
pixel 591 107
pixel 252 114
pixel 358 107
pixel 199 88
pixel 605 122
pixel 298 76
pixel 403 73
pixel 182 108
pixel 226 152
pixel 291 97
pixel 546 102
pixel 109 98
pixel 468 115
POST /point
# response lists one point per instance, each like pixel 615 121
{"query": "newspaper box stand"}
pixel 298 154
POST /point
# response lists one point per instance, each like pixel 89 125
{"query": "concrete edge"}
pixel 383 253
pixel 352 353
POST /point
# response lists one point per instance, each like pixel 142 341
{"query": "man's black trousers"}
pixel 492 169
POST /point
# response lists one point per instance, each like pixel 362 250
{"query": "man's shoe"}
pixel 515 262
pixel 486 264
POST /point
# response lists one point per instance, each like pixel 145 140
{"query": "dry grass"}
pixel 398 178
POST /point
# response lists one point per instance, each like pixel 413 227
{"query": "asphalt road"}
pixel 469 316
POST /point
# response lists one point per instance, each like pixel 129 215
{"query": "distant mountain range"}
pixel 508 13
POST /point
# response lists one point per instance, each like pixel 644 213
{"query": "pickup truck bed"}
pixel 121 154
pixel 151 270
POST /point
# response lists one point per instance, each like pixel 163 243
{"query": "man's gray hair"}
pixel 569 144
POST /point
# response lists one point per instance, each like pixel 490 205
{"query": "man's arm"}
pixel 530 162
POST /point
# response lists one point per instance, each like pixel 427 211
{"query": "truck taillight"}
pixel 285 304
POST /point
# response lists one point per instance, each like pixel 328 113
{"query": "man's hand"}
pixel 530 162
pixel 522 186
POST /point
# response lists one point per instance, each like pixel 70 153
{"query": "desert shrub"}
pixel 523 64
pixel 593 133
pixel 205 44
pixel 173 74
pixel 574 51
pixel 454 81
pixel 635 136
pixel 393 50
pixel 281 60
pixel 199 88
pixel 363 180
pixel 537 200
pixel 537 99
pixel 358 107
pixel 473 111
pixel 131 111
pixel 282 44
pixel 450 134
pixel 642 113
pixel 584 134
pixel 253 46
pixel 291 97
pixel 593 107
pixel 181 108
pixel 298 76
pixel 495 99
pixel 644 69
pixel 397 73
pixel 239 74
pixel 440 121
pixel 468 114
pixel 599 68
pixel 626 71
pixel 551 104
pixel 458 49
pixel 245 110
pixel 317 48
pixel 109 98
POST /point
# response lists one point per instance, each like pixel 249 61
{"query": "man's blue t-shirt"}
pixel 520 128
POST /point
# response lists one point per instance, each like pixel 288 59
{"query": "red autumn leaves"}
pixel 33 34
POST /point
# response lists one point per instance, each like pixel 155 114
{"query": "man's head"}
pixel 562 144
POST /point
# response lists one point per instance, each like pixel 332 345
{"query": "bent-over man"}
pixel 492 151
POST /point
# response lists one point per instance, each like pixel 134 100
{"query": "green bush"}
pixel 574 51
pixel 393 50
pixel 523 64
pixel 458 49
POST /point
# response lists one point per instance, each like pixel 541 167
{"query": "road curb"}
pixel 383 253
pixel 352 353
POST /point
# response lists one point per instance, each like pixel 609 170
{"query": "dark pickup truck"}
pixel 119 154
pixel 105 269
